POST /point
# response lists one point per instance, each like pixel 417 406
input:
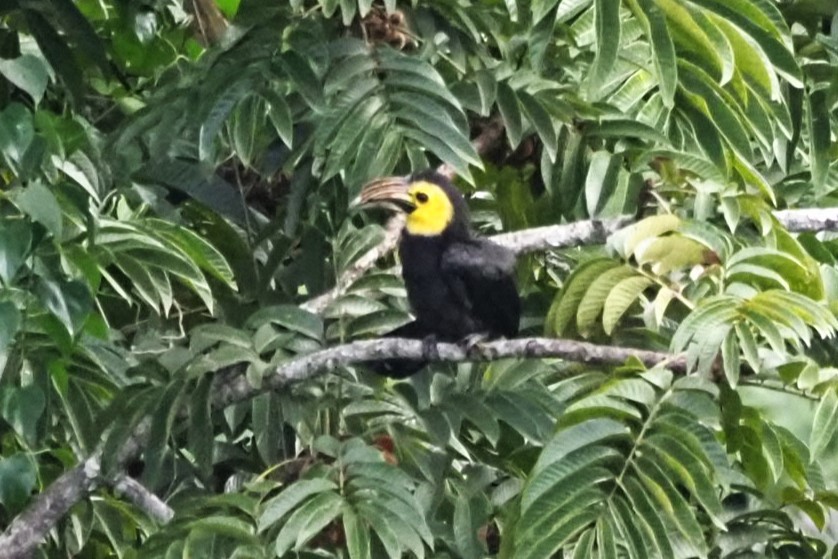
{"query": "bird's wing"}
pixel 480 256
pixel 482 274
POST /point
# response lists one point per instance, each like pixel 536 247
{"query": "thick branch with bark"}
pixel 237 388
pixel 30 528
pixel 578 233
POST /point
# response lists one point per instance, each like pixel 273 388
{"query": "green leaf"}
pixel 377 322
pixel 267 426
pixel 235 528
pixel 649 517
pixel 163 417
pixel 487 87
pixel 648 228
pixel 141 281
pixel 307 521
pixel 304 78
pixel 622 128
pixel 443 150
pixel 39 203
pixel 429 88
pixel 751 18
pixel 480 415
pixel 663 51
pixel 569 9
pixel 22 408
pixel 280 116
pixel 564 308
pixel 198 249
pixel 668 495
pixel 540 8
pixel 352 306
pixel 81 169
pixel 200 428
pixel 465 529
pixel 15 239
pixel 820 142
pixel 593 301
pixel 28 72
pixel 405 521
pixel 380 524
pixel 9 324
pixel 290 317
pixel 278 507
pixel 628 526
pixel 620 298
pixel 712 311
pixel 435 123
pixel 718 105
pixel 608 30
pixel 730 359
pixel 195 180
pixel 541 121
pixel 248 118
pixel 357 535
pixel 73 24
pixel 16 135
pixel 345 142
pixel 69 301
pixel 824 425
pixel 57 52
pixel 601 180
pixel 510 110
pixel 218 113
pixel 17 480
pixel 565 441
pixel 633 90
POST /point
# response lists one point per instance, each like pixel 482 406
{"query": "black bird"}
pixel 460 286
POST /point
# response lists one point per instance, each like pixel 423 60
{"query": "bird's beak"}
pixel 389 192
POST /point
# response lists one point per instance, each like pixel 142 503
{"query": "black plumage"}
pixel 459 285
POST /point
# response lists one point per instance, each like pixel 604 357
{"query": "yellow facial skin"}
pixel 433 212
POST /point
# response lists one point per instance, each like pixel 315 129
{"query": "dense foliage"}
pixel 176 180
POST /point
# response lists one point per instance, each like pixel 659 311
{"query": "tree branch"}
pixel 31 527
pixel 237 388
pixel 135 492
pixel 808 220
pixel 392 231
pixel 578 233
pixel 209 23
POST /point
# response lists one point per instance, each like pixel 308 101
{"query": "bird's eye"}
pixel 421 197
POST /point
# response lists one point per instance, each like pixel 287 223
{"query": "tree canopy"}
pixel 187 295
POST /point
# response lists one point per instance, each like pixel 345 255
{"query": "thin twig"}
pixel 484 141
pixel 135 492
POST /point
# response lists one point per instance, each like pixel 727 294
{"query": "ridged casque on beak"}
pixel 389 192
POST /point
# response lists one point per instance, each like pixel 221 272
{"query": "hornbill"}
pixel 460 286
